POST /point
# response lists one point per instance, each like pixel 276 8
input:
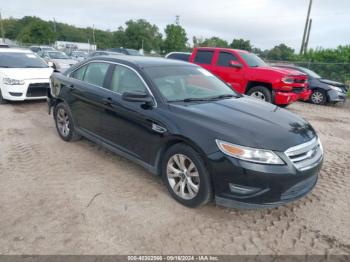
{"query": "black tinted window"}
pixel 225 58
pixel 204 57
pixel 95 73
pixel 126 80
pixel 182 57
pixel 79 74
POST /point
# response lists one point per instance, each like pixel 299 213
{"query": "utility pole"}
pixel 2 30
pixel 308 36
pixel 306 26
pixel 93 34
pixel 54 25
pixel 177 20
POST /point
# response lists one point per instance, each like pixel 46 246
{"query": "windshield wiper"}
pixel 211 98
pixel 222 97
pixel 34 67
pixel 4 66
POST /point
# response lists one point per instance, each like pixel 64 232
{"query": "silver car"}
pixel 61 62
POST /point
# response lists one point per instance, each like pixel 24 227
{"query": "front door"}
pixel 129 126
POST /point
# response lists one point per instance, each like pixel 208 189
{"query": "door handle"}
pixel 71 87
pixel 108 102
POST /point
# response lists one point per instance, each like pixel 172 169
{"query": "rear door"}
pixel 205 58
pixel 232 76
pixel 87 92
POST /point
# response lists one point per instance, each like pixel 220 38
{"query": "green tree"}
pixel 281 53
pixel 141 32
pixel 119 38
pixel 214 42
pixel 36 31
pixel 175 38
pixel 241 44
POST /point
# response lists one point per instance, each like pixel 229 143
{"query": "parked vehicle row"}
pixel 181 122
pixel 280 84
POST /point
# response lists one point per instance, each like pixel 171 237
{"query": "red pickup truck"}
pixel 250 75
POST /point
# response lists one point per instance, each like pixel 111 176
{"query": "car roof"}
pixel 222 48
pixel 15 50
pixel 142 61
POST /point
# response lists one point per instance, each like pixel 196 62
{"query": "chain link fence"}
pixel 333 71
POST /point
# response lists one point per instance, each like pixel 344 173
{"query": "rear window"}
pixel 204 57
pixel 181 57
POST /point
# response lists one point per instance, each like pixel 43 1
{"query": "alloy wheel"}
pixel 258 95
pixel 63 122
pixel 317 97
pixel 183 176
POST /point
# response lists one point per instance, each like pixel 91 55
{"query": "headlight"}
pixel 261 156
pixel 336 88
pixel 10 81
pixel 288 80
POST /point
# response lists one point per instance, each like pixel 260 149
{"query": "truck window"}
pixel 204 57
pixel 225 58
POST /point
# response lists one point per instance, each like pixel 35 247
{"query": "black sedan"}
pixel 181 122
pixel 323 90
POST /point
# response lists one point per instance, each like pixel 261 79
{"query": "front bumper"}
pixel 28 91
pixel 285 98
pixel 241 184
pixel 336 96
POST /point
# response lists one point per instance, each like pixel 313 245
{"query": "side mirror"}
pixel 50 64
pixel 137 97
pixel 235 64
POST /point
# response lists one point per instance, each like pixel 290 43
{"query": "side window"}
pixel 225 58
pixel 204 57
pixel 126 80
pixel 79 74
pixel 95 73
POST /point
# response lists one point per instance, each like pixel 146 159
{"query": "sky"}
pixel 265 23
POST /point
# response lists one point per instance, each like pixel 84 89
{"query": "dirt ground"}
pixel 77 198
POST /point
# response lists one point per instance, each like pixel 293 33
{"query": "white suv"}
pixel 23 75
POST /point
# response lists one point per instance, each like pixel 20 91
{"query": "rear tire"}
pixel 64 123
pixel 261 93
pixel 2 100
pixel 318 97
pixel 186 177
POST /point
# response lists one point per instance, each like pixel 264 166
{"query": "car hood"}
pixel 284 71
pixel 68 62
pixel 27 73
pixel 332 83
pixel 248 122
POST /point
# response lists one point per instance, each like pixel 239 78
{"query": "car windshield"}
pixel 21 60
pixel 80 54
pixel 188 83
pixel 252 60
pixel 57 55
pixel 309 72
pixel 133 52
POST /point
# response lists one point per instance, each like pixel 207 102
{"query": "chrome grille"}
pixel 307 155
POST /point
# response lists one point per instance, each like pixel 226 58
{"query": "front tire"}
pixel 261 93
pixel 186 177
pixel 2 100
pixel 64 123
pixel 318 97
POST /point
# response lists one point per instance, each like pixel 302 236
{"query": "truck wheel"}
pixel 186 177
pixel 318 97
pixel 261 93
